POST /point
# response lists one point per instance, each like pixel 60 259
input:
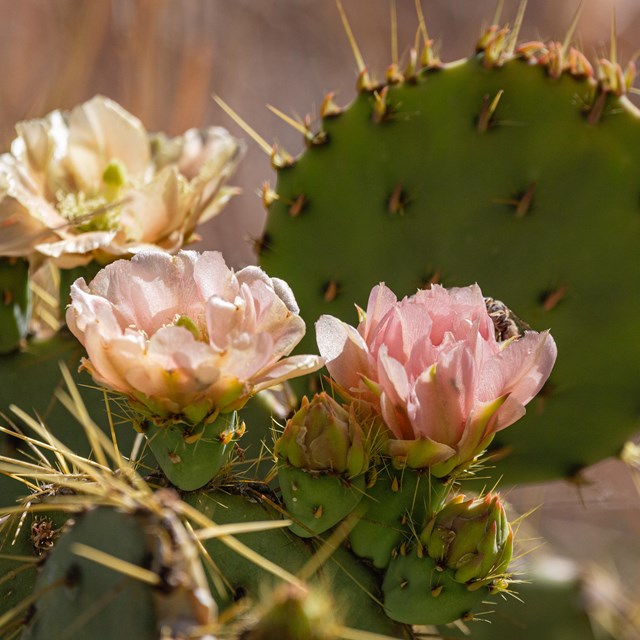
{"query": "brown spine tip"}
pixel 411 70
pixel 398 200
pixel 486 117
pixel 429 59
pixel 393 75
pixel 313 138
pixel 381 105
pixel 330 291
pixel 524 202
pixel 280 159
pixel 550 299
pixel 297 206
pixel 268 195
pixel 262 245
pixel 435 277
pixel 495 46
pixel 328 108
pixel 364 82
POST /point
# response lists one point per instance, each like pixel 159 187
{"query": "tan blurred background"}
pixel 163 59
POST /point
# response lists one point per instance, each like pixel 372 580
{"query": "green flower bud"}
pixel 324 436
pixel 472 537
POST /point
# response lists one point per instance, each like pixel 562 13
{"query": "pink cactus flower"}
pixel 433 368
pixel 184 337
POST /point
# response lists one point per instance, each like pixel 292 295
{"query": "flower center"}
pixel 199 332
pixel 99 212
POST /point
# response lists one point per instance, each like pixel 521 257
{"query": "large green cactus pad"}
pixel 538 202
pixel 81 599
pixel 341 574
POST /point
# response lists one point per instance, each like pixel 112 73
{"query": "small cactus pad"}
pixel 191 456
pixel 506 173
pixel 416 591
pixel 396 504
pixel 317 501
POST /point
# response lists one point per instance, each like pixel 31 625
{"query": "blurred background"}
pixel 163 59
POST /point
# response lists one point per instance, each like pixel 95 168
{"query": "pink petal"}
pixel 345 352
pixel 381 299
pixel 286 369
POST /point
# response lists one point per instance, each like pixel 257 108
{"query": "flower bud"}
pixel 322 459
pixel 472 537
pixel 323 436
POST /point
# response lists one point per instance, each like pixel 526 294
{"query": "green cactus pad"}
pixel 317 501
pixel 417 592
pixel 353 585
pixel 23 545
pixel 550 603
pixel 30 377
pixel 15 303
pixel 80 599
pixel 395 507
pixel 537 202
pixel 191 456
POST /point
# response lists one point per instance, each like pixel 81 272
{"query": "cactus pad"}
pixel 507 174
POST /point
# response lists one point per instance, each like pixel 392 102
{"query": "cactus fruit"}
pixel 322 461
pixel 458 173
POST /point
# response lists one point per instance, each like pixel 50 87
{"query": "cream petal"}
pixel 80 244
pixel 16 182
pixel 100 130
pixel 153 211
pixel 19 230
pixel 112 357
pixel 87 309
pixel 214 278
pixel 38 146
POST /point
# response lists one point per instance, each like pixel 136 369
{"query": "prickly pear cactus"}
pixel 515 168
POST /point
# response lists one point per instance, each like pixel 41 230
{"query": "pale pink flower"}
pixel 93 184
pixel 433 368
pixel 184 337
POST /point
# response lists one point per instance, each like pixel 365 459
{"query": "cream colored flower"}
pixel 93 184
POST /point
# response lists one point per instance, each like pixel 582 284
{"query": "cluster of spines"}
pixel 497 45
